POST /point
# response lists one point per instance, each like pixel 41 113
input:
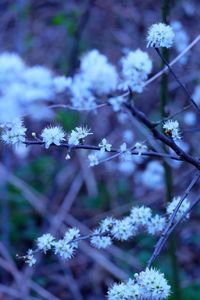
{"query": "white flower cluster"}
pixel 146 285
pixel 160 35
pixel 140 147
pixel 136 66
pixel 97 76
pixel 98 72
pixel 172 129
pixel 182 209
pixel 14 133
pixel 153 176
pixel 25 89
pixel 125 152
pixel 94 158
pixel 102 237
pixel 64 248
pixel 116 102
pixel 45 242
pixel 29 258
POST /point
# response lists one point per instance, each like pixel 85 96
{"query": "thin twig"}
pixel 163 138
pixel 165 234
pixel 178 80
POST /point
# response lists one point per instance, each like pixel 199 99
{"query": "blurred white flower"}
pixel 136 66
pixel 93 159
pixel 30 259
pixel 152 176
pixel 14 133
pixel 125 153
pixel 101 76
pixel 61 83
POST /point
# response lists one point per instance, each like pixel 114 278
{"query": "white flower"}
pixel 52 135
pixel 182 209
pixel 105 146
pixel 156 225
pixel 82 97
pixel 172 129
pixel 136 66
pixel 61 83
pixel 30 259
pixel 123 229
pixel 117 292
pixel 132 290
pixel 152 284
pixel 66 247
pixel 93 159
pixel 63 249
pixel 125 153
pixel 140 216
pixel 78 134
pixel 125 291
pixel 99 241
pixel 160 35
pixel 107 224
pixel 116 102
pixel 101 76
pixel 11 67
pixel 140 148
pixel 14 133
pixel 72 234
pixel 153 176
pixel 45 242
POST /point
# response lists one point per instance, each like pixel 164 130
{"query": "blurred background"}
pixel 42 192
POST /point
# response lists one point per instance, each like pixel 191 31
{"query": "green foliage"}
pixel 69 21
pixel 68 119
pixel 100 201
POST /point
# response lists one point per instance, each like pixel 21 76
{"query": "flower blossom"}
pixel 160 35
pixel 52 135
pixel 78 134
pixel 153 284
pixel 105 146
pixel 172 129
pixel 100 241
pixel 136 66
pixel 93 159
pixel 182 209
pixel 14 133
pixel 45 242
